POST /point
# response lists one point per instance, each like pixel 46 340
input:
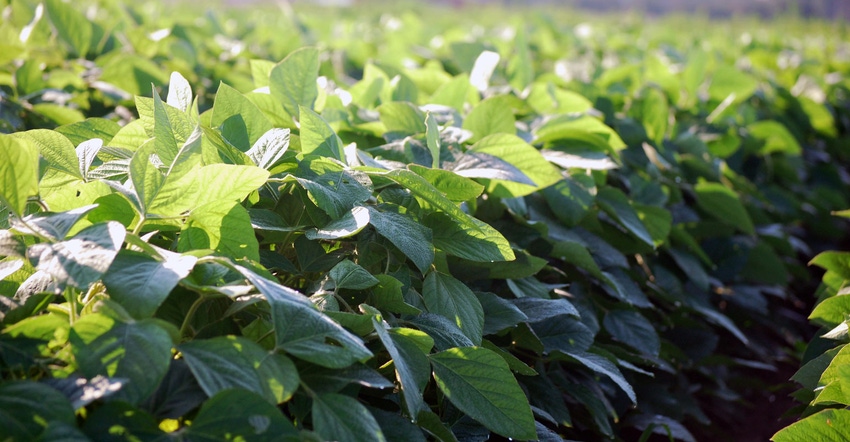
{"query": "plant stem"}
pixel 187 321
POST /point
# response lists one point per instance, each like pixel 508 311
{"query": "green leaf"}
pixel 728 80
pixel 342 418
pixel 432 134
pixel 179 92
pixel 412 238
pixel 523 156
pixel 139 351
pixel 348 275
pixel 564 334
pixel 452 299
pixel 348 225
pixel 73 27
pixel 654 112
pixel 230 104
pixel 240 415
pixel 122 418
pixel 387 295
pixel 827 426
pixel 835 262
pixel 633 329
pixel 834 383
pixel 141 283
pixel 171 193
pixel 269 148
pixel 411 367
pixel 442 330
pixel 452 185
pixel 831 311
pixel 571 199
pixel 331 186
pixel 222 226
pixel 480 384
pixel 402 119
pixel 317 137
pixel 18 173
pixel 54 226
pixel 536 309
pixel 303 331
pixel 521 64
pixel 82 259
pixel 491 116
pixel 171 129
pixel 479 241
pixel 56 149
pixel 225 183
pixel 499 313
pixel 293 81
pixel 774 137
pixel 603 366
pixel 235 362
pixel 26 409
pixel 616 204
pixel 89 129
pixel 724 205
pixel 488 167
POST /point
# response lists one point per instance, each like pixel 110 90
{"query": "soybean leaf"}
pixel 479 241
pixel 616 204
pixel 293 81
pixel 222 226
pixel 348 275
pixel 141 283
pixel 485 166
pixel 387 295
pixel 348 225
pixel 724 205
pixel 54 226
pixel 240 415
pixel 303 331
pixel 832 425
pixel 56 149
pixel 230 104
pixel 133 423
pixel 412 238
pixel 432 132
pixel 444 331
pixel 411 367
pixel 82 259
pixel 228 182
pixel 331 187
pixel 564 334
pixel 18 173
pixel 499 313
pixel 536 309
pixel 343 418
pixel 603 366
pixel 454 186
pixel 480 384
pixel 402 119
pixel 228 362
pixel 86 154
pixel 317 137
pixel 269 148
pixel 491 116
pixel 139 350
pixel 26 408
pixel 452 299
pixel 73 27
pixel 179 92
pixel 523 156
pixel 634 330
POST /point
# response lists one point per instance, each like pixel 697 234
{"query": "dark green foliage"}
pixel 357 229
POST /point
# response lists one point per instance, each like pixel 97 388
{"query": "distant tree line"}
pixel 833 9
